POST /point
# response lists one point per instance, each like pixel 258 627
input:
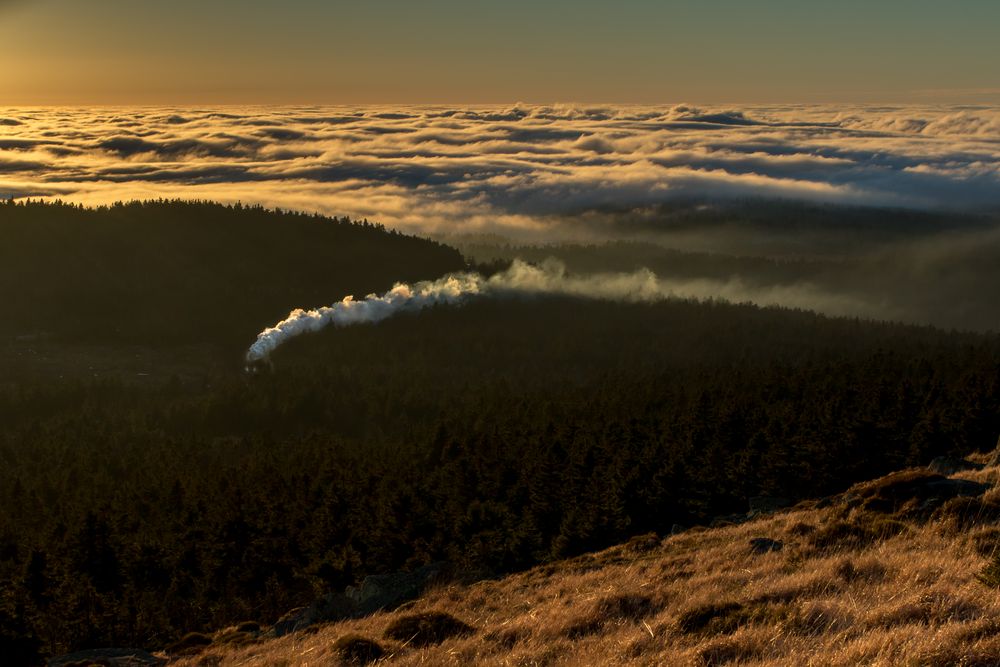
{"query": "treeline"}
pixel 495 435
pixel 177 272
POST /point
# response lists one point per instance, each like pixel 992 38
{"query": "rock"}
pixel 286 623
pixel 677 529
pixel 767 504
pixel 900 487
pixel 919 490
pixel 388 591
pixel 763 545
pixel 111 657
pixel 332 607
pixel 376 593
pixel 949 465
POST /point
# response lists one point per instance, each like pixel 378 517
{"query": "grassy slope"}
pixel 703 598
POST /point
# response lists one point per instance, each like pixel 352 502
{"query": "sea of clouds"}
pixel 523 171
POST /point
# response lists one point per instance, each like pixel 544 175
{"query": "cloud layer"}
pixel 524 171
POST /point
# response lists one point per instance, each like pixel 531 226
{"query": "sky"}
pixel 124 52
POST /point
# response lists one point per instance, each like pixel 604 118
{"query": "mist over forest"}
pixel 925 267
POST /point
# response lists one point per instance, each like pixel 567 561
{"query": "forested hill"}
pixel 168 272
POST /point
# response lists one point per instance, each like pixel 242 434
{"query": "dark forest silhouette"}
pixel 496 435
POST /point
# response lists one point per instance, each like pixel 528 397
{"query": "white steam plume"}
pixel 549 278
pixel 373 308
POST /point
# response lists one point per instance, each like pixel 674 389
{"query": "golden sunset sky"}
pixel 448 51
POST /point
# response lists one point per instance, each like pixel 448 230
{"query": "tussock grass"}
pixel 357 650
pixel 426 628
pixel 192 642
pixel 861 581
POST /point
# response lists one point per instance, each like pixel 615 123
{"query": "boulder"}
pixel 919 490
pixel 375 593
pixel 331 607
pixel 388 591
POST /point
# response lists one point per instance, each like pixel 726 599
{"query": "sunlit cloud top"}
pixel 521 169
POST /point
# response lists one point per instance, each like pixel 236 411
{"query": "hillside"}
pixel 150 487
pixel 179 273
pixel 496 436
pixel 889 573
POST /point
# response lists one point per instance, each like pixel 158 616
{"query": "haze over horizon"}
pixel 114 52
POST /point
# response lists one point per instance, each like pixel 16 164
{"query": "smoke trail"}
pixel 452 289
pixel 549 278
pixel 373 308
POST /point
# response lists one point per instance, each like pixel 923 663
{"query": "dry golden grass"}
pixel 844 591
